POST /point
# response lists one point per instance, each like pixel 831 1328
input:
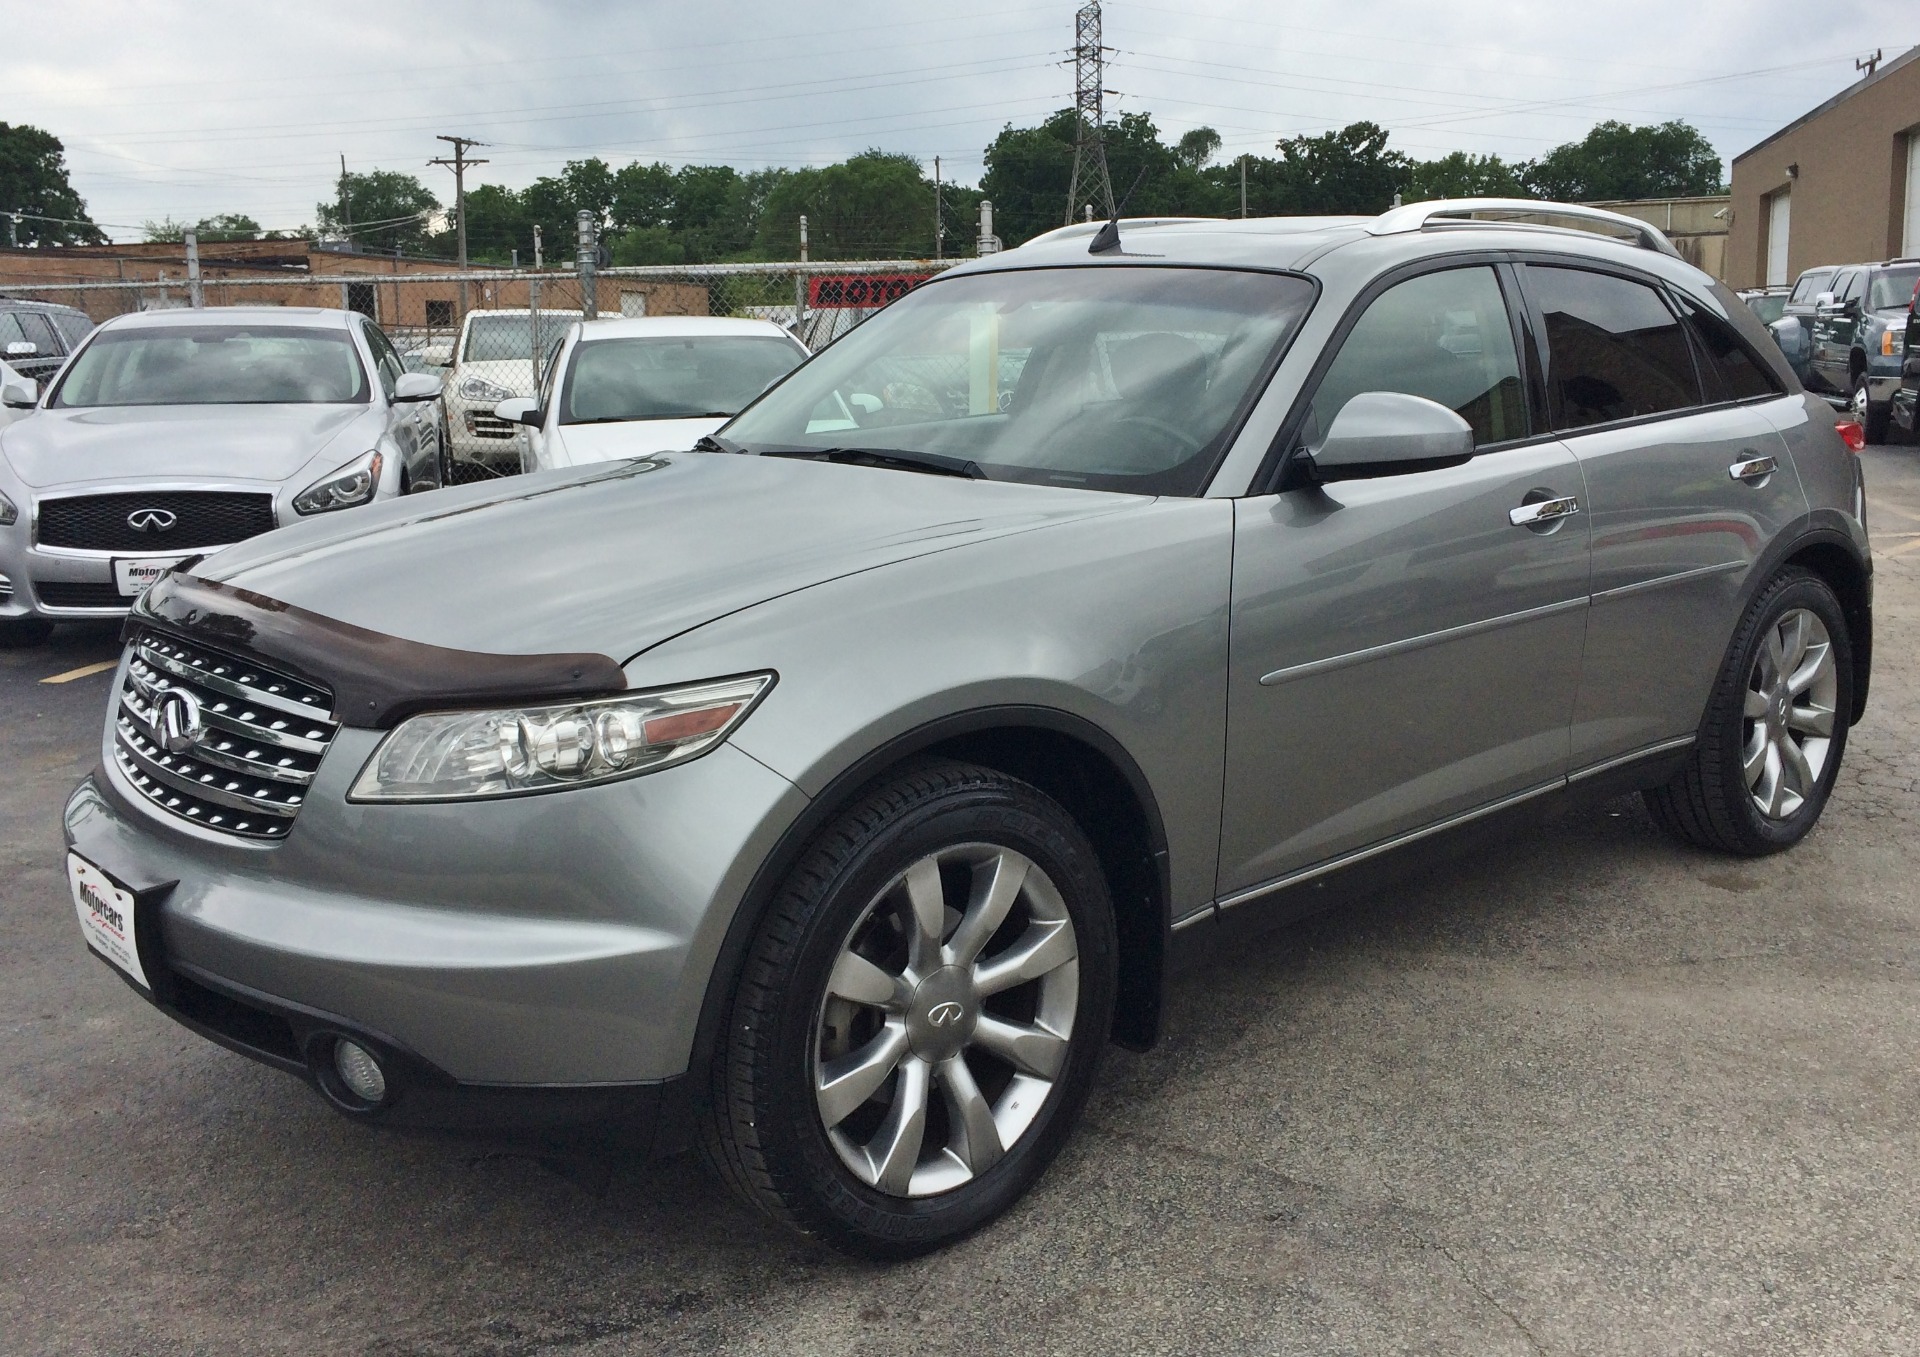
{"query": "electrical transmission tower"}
pixel 1089 138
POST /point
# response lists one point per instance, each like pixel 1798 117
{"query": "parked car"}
pixel 624 388
pixel 1768 304
pixel 36 337
pixel 1793 330
pixel 1860 338
pixel 842 789
pixel 170 433
pixel 492 362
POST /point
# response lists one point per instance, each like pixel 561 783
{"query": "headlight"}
pixel 1892 342
pixel 9 515
pixel 457 756
pixel 352 484
pixel 480 389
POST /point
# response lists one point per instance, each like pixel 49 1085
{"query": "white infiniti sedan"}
pixel 626 388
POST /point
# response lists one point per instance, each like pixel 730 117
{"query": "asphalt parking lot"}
pixel 1593 1094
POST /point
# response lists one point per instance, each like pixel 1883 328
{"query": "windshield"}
pixel 214 365
pixel 1893 289
pixel 1769 307
pixel 1118 378
pixel 662 377
pixel 494 339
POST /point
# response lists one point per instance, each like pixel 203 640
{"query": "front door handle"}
pixel 1543 511
pixel 1753 469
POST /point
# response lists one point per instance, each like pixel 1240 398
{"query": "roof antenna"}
pixel 1108 237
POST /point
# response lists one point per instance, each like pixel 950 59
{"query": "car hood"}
pixel 619 557
pixel 176 442
pixel 579 444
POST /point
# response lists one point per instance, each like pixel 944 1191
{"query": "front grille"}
pixel 488 426
pixel 259 740
pixel 65 594
pixel 200 518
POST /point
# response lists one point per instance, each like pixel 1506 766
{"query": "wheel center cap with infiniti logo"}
pixel 152 520
pixel 943 1013
pixel 176 715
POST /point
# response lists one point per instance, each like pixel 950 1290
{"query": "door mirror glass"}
pixel 19 395
pixel 519 410
pixel 20 348
pixel 1389 433
pixel 416 386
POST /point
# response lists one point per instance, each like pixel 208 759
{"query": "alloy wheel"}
pixel 947 1020
pixel 1792 694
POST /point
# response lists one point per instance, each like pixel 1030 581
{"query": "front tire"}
pixel 1775 729
pixel 919 1019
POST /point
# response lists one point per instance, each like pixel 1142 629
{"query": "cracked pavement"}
pixel 1588 1093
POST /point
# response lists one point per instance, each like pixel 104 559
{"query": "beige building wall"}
pixel 1696 226
pixel 1845 167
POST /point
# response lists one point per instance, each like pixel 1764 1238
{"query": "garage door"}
pixel 1911 242
pixel 1779 219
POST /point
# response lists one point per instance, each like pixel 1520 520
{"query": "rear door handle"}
pixel 1543 511
pixel 1753 469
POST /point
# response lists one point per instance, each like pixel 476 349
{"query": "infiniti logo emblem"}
pixel 152 520
pixel 946 1014
pixel 176 714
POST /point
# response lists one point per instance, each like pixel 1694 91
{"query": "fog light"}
pixel 359 1071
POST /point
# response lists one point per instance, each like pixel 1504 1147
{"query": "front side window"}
pixel 1615 349
pixel 1892 289
pixel 1445 336
pixel 214 365
pixel 73 327
pixel 386 360
pixel 667 377
pixel 1106 377
pixel 1812 283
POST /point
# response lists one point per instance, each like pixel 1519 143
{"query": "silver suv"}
pixel 830 796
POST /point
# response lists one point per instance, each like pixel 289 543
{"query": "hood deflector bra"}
pixel 376 679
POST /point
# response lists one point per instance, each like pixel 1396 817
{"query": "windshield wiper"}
pixel 903 459
pixel 715 443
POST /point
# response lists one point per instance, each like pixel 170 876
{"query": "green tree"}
pixel 1617 160
pixel 875 205
pixel 1337 173
pixel 388 211
pixel 1196 149
pixel 1462 175
pixel 1029 169
pixel 497 225
pixel 33 182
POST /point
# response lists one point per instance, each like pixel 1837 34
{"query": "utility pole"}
pixel 533 306
pixel 346 203
pixel 588 258
pixel 196 296
pixel 1870 64
pixel 939 226
pixel 459 164
pixel 1089 138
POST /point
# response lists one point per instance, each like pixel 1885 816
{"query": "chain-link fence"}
pixel 490 332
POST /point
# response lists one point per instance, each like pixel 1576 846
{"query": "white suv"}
pixel 494 361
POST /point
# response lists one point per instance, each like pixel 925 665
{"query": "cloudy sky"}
pixel 188 109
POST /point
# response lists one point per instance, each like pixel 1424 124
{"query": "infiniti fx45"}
pixel 830 795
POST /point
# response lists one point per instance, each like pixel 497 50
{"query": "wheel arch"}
pixel 1835 559
pixel 1071 759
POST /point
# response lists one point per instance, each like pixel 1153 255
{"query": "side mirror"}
pixel 1389 433
pixel 520 410
pixel 1822 300
pixel 416 386
pixel 21 395
pixel 20 348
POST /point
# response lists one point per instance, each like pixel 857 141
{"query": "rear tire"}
pixel 1775 729
pixel 859 1094
pixel 18 633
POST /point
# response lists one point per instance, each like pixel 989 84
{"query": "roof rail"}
pixel 1417 216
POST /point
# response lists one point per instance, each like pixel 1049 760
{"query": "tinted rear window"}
pixel 1616 350
pixel 1730 370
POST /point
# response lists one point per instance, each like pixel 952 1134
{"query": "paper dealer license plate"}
pixel 133 577
pixel 106 916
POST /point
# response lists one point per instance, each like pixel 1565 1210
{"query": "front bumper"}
pixel 556 945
